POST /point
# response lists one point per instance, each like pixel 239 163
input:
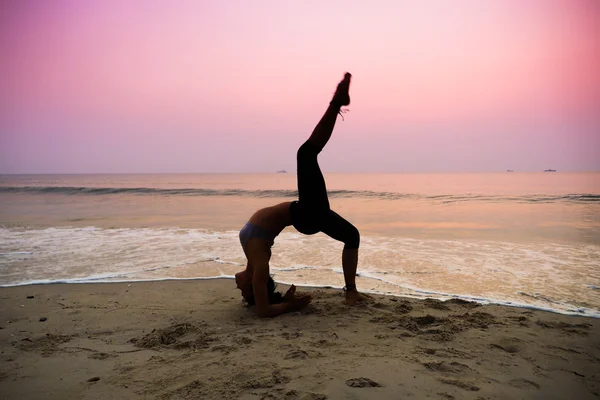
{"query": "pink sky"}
pixel 236 86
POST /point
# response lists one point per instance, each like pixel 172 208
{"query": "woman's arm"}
pixel 261 296
pixel 258 254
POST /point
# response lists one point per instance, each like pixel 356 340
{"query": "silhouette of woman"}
pixel 309 214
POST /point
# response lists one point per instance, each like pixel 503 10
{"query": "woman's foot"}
pixel 341 96
pixel 353 297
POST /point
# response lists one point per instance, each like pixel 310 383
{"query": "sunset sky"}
pixel 103 86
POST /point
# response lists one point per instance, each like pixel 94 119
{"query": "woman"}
pixel 309 214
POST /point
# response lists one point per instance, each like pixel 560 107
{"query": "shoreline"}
pixel 195 339
pixel 594 314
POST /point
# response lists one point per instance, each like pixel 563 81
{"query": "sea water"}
pixel 524 239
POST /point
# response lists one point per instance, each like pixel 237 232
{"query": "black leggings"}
pixel 311 213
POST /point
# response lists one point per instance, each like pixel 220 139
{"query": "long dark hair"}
pixel 274 297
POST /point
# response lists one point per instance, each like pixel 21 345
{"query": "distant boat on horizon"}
pixel 510 170
pixel 282 171
pixel 549 170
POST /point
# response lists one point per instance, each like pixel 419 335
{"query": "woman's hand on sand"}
pixel 299 302
pixel 290 294
pixel 296 303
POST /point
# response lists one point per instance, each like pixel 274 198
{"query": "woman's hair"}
pixel 274 297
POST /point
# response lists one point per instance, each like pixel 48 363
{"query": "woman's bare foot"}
pixel 353 297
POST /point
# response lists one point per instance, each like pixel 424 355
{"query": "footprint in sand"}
pixel 480 320
pixel 293 395
pixel 323 343
pixel 521 320
pixel 524 384
pixel 380 306
pixel 101 356
pixel 265 382
pixel 435 304
pixel 403 308
pixel 578 329
pixel 242 377
pixel 293 335
pixel 446 396
pixel 441 366
pixel 179 336
pixel 46 345
pixel 362 383
pixel 296 354
pixel 430 327
pixel 193 390
pixel 313 396
pixel 447 352
pixel 568 350
pixel 243 340
pixel 463 303
pixel 458 383
pixel 225 349
pixel 509 345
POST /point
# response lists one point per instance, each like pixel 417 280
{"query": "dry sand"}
pixel 195 340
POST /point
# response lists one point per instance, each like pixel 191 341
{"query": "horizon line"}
pixel 294 172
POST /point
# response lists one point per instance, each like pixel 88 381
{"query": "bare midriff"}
pixel 273 219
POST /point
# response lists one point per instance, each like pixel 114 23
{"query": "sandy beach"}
pixel 196 340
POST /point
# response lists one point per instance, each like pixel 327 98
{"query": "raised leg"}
pixel 322 132
pixel 312 191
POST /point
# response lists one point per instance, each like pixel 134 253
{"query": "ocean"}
pixel 520 239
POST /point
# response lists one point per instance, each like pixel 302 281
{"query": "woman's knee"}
pixel 352 238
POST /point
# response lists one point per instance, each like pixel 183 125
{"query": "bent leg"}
pixel 338 228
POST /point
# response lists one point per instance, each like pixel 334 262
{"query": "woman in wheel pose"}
pixel 309 214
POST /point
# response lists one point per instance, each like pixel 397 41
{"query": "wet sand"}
pixel 196 340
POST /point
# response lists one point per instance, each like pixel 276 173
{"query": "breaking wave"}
pixel 578 198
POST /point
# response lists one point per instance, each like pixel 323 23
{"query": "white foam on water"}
pixel 219 261
pixel 87 253
pixel 564 307
pixel 295 268
pixel 545 276
pixel 83 281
